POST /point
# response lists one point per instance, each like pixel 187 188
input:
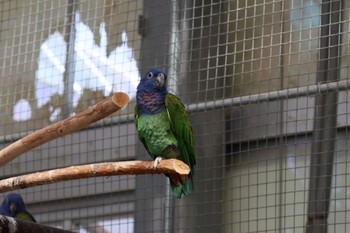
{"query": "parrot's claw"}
pixel 156 162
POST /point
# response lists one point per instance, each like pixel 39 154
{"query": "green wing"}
pixel 182 129
pixel 25 216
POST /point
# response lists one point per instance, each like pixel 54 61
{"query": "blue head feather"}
pixel 151 92
pixel 12 204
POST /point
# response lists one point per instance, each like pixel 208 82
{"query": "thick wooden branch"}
pixel 169 167
pixel 64 127
pixel 11 225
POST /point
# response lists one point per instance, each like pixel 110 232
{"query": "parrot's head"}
pixel 151 91
pixel 12 204
pixel 153 81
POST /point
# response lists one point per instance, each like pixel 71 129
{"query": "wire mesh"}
pixel 264 83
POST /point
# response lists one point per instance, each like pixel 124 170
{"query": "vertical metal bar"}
pixel 168 209
pixel 323 144
pixel 282 139
pixel 173 68
pixel 174 48
pixel 69 37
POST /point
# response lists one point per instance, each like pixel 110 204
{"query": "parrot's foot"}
pixel 156 162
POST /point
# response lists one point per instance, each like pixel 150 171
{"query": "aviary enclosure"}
pixel 264 82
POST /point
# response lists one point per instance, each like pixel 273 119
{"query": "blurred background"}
pixel 265 84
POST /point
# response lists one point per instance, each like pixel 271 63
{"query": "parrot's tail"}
pixel 180 186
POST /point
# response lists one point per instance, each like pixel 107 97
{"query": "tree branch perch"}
pixel 64 127
pixel 169 167
pixel 12 225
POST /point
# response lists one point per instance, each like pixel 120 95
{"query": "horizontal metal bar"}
pixel 270 96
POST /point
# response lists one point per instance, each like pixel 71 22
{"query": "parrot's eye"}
pixel 150 75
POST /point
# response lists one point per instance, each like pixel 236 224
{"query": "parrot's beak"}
pixel 13 207
pixel 160 80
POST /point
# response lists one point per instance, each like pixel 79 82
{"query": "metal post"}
pixel 154 203
pixel 69 37
pixel 321 166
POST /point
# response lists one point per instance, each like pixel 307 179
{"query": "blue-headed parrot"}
pixel 13 206
pixel 163 127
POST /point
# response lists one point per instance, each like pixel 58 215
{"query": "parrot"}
pixel 13 206
pixel 164 129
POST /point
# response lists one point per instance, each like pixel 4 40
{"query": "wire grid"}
pixel 252 76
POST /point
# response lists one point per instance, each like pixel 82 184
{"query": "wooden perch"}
pixel 64 127
pixel 12 225
pixel 168 167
